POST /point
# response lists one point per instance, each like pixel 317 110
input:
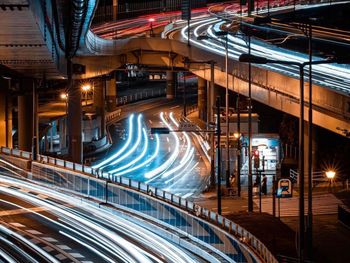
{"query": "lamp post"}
pixel 248 58
pixel 206 37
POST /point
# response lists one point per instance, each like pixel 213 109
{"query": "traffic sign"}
pixel 284 188
pixel 187 126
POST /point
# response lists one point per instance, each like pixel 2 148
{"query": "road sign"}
pixel 284 188
pixel 187 126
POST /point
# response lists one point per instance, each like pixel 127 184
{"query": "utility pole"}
pixel 218 151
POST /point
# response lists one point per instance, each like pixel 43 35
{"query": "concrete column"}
pixel 306 151
pixel 99 103
pixel 74 119
pixel 62 132
pixel 25 122
pixel 111 94
pixel 5 115
pixel 202 99
pixel 170 85
pixel 115 10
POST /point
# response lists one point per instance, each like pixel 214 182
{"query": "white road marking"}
pixel 34 232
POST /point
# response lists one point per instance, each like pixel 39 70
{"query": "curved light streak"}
pixel 338 72
pixel 172 158
pixel 144 150
pixel 155 154
pixel 91 224
pixel 109 159
pixel 187 155
pixel 136 144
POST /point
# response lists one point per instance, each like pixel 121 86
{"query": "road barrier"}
pixel 228 239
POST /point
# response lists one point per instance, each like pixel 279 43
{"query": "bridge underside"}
pixel 331 110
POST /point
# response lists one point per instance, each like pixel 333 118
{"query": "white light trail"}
pixel 159 170
pixel 187 156
pixel 138 158
pixel 155 154
pixel 136 144
pixel 112 157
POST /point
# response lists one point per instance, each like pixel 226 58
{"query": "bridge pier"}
pixel 75 122
pixel 25 121
pixel 170 84
pixel 306 151
pixel 99 103
pixel 111 93
pixel 202 99
pixel 5 116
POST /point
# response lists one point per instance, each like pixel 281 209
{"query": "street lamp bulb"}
pixel 151 20
pixel 330 174
pixel 236 135
pixel 63 96
pixel 86 87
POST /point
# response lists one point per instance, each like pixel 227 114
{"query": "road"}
pixel 172 162
pixel 333 76
pixel 41 225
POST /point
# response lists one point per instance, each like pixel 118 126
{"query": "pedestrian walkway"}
pixel 325 204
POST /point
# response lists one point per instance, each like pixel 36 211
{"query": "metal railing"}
pixel 344 215
pixel 88 181
pixel 142 95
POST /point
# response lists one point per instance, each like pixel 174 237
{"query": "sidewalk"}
pixel 331 238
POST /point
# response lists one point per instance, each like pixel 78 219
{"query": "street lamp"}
pixel 86 89
pixel 248 58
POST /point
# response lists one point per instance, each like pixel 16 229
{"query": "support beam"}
pixel 25 122
pixel 170 84
pixel 111 93
pixel 5 115
pixel 99 102
pixel 115 10
pixel 74 120
pixel 202 99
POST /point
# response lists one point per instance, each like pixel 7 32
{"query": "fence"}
pixel 206 226
pixel 152 93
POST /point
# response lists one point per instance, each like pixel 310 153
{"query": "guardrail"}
pixel 178 212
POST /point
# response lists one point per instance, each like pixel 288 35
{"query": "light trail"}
pixel 159 170
pixel 29 243
pixel 187 155
pixel 126 145
pixel 147 161
pixel 136 144
pixel 98 226
pixel 138 158
pixel 338 73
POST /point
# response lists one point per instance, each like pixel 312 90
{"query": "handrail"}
pixel 228 226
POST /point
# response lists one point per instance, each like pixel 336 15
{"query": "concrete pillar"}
pixel 25 122
pixel 62 132
pixel 111 93
pixel 306 151
pixel 115 10
pixel 202 99
pixel 74 121
pixel 170 85
pixel 99 103
pixel 5 115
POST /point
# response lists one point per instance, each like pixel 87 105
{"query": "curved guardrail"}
pixel 207 227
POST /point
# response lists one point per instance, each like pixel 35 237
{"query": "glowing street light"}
pixel 86 88
pixel 330 174
pixel 64 96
